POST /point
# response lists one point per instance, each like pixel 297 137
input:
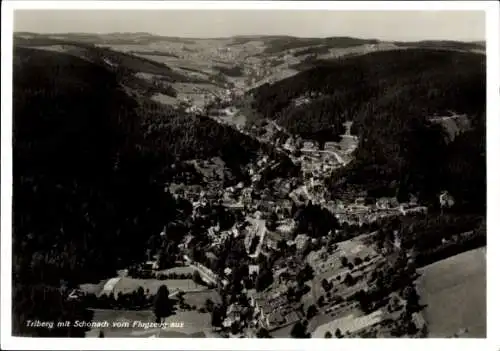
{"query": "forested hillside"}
pixel 445 44
pixel 88 174
pixel 130 69
pixel 173 135
pixel 390 95
pixel 280 44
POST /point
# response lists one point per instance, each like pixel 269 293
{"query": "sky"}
pixel 384 25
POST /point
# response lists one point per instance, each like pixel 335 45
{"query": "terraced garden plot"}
pixel 349 323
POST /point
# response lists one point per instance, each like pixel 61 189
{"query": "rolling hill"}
pixel 275 45
pixel 146 77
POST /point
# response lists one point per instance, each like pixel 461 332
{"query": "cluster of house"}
pixel 274 238
pixel 218 237
pixel 272 307
pixel 301 101
pixel 257 71
pixel 194 109
pixel 359 213
pixel 318 165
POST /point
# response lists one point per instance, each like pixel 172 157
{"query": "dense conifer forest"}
pixel 89 170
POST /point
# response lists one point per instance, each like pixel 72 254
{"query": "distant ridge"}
pixel 251 37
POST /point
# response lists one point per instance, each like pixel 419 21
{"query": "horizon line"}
pixel 251 35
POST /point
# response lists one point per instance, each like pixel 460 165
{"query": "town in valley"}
pixel 249 186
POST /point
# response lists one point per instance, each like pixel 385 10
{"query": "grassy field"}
pixel 165 99
pixel 188 324
pixel 282 332
pixel 128 285
pixel 454 291
pixel 90 288
pixel 198 298
pixel 118 316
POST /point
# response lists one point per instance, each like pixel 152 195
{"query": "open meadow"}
pixel 181 324
pixel 126 285
pixel 454 292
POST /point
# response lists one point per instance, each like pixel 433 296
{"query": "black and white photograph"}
pixel 247 174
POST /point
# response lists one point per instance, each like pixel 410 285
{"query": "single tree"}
pixel 263 333
pixel 264 279
pixel 209 304
pixel 305 274
pixel 140 296
pixel 325 285
pixel 180 296
pixel 338 333
pixel 217 317
pixel 299 331
pixel 271 223
pixel 328 335
pixel 349 280
pixel 162 307
pixel 235 328
pixel 312 311
pixel 197 278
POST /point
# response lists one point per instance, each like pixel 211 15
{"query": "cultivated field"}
pixel 349 323
pixel 328 266
pixel 282 332
pixel 199 298
pixel 454 291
